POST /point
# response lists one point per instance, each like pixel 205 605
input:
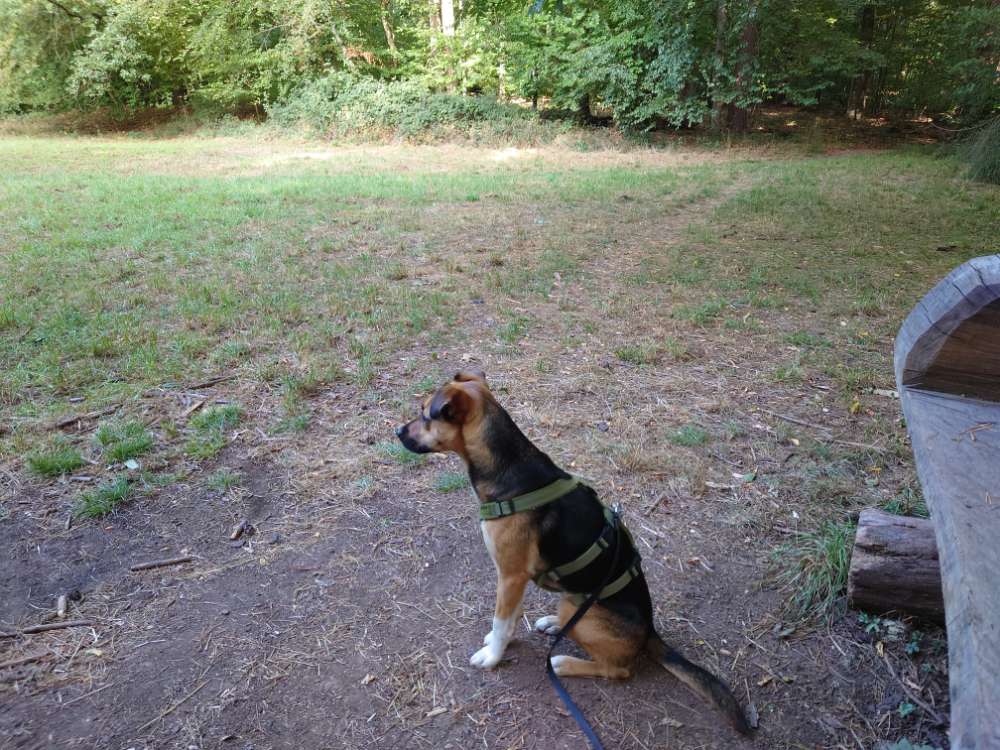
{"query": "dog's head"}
pixel 445 414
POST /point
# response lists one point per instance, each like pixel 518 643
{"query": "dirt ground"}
pixel 347 618
pixel 338 626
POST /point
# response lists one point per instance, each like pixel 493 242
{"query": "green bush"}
pixel 356 108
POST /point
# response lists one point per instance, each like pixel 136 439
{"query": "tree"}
pixel 646 63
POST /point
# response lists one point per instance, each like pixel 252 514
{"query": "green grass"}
pixel 790 372
pixel 807 340
pixel 909 501
pixel 125 441
pixel 400 454
pixel 514 329
pixel 814 569
pixel 676 348
pixel 690 436
pixel 637 354
pixel 223 480
pixel 451 481
pixel 293 423
pixel 217 418
pixel 138 258
pixel 104 499
pixel 701 313
pixel 55 461
pixel 209 428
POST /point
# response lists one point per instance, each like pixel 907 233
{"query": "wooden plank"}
pixel 894 566
pixel 959 296
pixel 968 362
pixel 956 444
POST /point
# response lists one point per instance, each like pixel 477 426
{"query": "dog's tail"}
pixel 700 681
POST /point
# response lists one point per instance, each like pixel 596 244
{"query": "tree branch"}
pixel 65 10
pixel 72 13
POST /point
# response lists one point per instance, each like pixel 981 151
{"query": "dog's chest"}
pixel 488 539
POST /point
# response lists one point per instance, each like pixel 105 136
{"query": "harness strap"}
pixel 557 573
pixel 548 494
pixel 528 501
pixel 581 721
pixel 615 586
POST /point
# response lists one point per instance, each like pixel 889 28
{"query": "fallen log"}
pixel 894 566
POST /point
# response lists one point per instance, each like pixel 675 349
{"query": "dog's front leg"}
pixel 510 594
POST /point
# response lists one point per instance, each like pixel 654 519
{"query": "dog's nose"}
pixel 399 430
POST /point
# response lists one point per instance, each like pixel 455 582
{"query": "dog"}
pixel 464 417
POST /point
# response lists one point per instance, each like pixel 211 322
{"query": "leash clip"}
pixel 617 510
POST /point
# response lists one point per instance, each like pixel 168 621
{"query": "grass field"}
pixel 709 326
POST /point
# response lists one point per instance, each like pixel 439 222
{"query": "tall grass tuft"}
pixel 814 569
pixel 981 152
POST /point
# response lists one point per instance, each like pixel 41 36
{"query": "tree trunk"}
pixel 434 15
pixel 448 17
pixel 895 567
pixel 738 116
pixel 866 34
pixel 390 36
pixel 718 107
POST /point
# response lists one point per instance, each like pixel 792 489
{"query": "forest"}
pixel 638 64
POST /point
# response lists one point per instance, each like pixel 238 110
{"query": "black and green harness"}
pixel 552 578
pixel 608 538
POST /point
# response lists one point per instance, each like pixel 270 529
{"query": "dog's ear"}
pixel 469 375
pixel 451 404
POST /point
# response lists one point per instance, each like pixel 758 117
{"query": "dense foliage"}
pixel 366 63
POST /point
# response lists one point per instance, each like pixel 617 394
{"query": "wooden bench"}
pixel 947 364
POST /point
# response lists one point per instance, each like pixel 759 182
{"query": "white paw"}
pixel 486 658
pixel 548 624
pixel 557 663
pixel 488 638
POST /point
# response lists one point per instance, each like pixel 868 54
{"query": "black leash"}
pixel 581 720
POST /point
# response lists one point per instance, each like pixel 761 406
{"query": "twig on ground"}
pixel 913 696
pixel 49 626
pixel 653 505
pixel 210 381
pixel 113 407
pixel 174 707
pixel 794 420
pixel 193 408
pixel 821 428
pixel 161 563
pixel 23 660
pixel 84 417
pixel 87 695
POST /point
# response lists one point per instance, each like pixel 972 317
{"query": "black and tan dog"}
pixel 463 417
